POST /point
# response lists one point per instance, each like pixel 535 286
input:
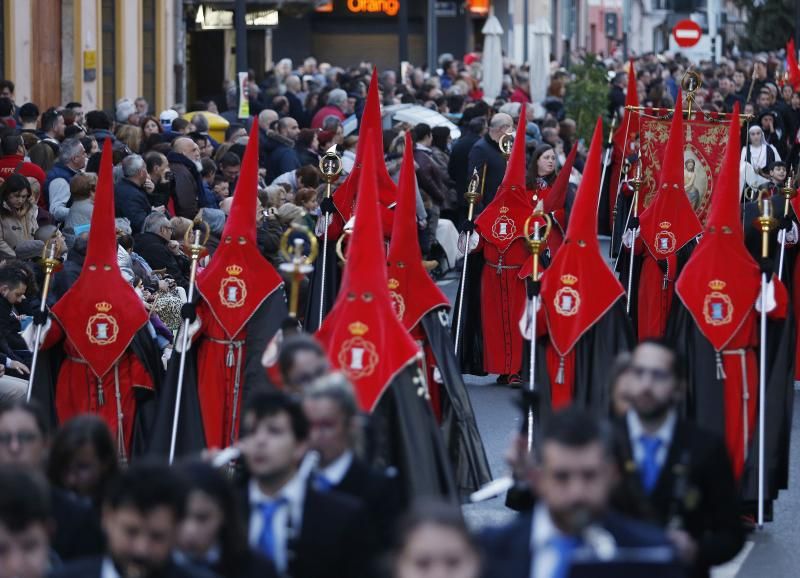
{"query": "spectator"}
pixel 142 107
pixel 336 107
pixel 230 165
pixel 434 540
pixel 236 131
pixel 17 214
pixel 203 142
pixel 292 95
pixel 53 126
pixel 99 125
pixel 25 520
pixel 13 160
pixel 150 126
pixel 141 514
pixel 130 196
pixel 29 117
pixel 155 245
pixel 131 136
pixel 159 173
pixel 308 147
pixel 14 281
pixel 457 168
pixel 212 533
pixel 76 108
pixel 301 361
pixel 7 89
pixel 215 219
pixel 307 199
pixel 281 155
pixel 126 112
pixel 82 189
pixel 43 217
pixel 485 154
pixel 221 187
pixel 184 162
pixel 201 126
pixel 83 459
pixel 429 176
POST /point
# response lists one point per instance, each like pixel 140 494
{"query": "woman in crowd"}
pixel 211 534
pixel 131 137
pixel 83 458
pixel 150 126
pixel 17 214
pixel 81 189
pixel 308 147
pixel 433 540
pixel 42 155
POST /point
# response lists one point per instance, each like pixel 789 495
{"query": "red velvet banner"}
pixel 704 148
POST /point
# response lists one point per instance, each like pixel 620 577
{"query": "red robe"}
pixel 740 362
pixel 220 364
pixel 78 391
pixel 503 301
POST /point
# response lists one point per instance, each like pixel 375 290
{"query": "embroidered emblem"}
pixel 102 328
pixel 443 317
pixel 717 306
pixel 233 290
pixel 358 357
pixel 504 228
pixel 567 300
pixel 665 241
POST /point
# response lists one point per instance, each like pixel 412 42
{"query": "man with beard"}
pixel 184 161
pixel 141 513
pixel 680 472
pixel 573 479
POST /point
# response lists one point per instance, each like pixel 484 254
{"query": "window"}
pixel 109 14
pixel 149 51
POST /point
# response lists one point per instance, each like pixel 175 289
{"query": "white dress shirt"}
pixel 664 433
pixel 107 570
pixel 286 521
pixel 338 468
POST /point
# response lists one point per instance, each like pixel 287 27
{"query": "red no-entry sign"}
pixel 687 33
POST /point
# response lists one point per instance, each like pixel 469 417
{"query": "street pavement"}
pixel 772 552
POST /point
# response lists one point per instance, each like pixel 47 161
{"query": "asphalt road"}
pixel 771 552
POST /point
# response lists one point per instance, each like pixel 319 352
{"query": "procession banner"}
pixel 704 148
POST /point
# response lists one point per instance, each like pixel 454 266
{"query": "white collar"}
pixel 423 148
pixel 338 468
pixel 107 570
pixel 293 491
pixel 543 530
pixel 664 433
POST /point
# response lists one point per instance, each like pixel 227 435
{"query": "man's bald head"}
pixel 266 117
pixel 187 147
pixel 500 124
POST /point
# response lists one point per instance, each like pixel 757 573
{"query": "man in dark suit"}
pixel 306 532
pixel 332 411
pixel 485 153
pixel 571 519
pixel 678 472
pixel 141 512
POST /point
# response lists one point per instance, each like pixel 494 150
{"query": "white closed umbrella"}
pixel 540 60
pixel 492 60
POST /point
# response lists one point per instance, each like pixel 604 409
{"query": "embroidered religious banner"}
pixel 704 148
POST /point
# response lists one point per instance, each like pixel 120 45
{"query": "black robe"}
pixel 48 367
pixel 407 438
pixel 705 398
pixel 332 280
pixel 191 439
pixel 470 350
pixel 595 353
pixel 461 436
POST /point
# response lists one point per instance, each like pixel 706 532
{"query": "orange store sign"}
pixel 388 7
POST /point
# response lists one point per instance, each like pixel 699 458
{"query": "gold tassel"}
pixel 560 372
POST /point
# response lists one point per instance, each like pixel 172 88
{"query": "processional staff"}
pixel 297 262
pixel 472 195
pixel 789 193
pixel 330 165
pixel 637 184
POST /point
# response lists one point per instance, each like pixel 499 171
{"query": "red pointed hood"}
pixel 503 220
pixel 344 198
pixel 670 222
pixel 791 64
pixel 362 334
pixel 629 124
pixel 579 287
pixel 557 197
pixel 412 290
pixel 721 281
pixel 101 312
pixel 239 278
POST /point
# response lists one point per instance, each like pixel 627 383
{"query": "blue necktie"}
pixel 266 541
pixel 565 547
pixel 649 469
pixel 322 483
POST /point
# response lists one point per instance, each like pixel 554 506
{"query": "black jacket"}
pixel 153 249
pixel 131 202
pixel 335 541
pixel 380 493
pixel 93 568
pixel 486 152
pixel 77 529
pixel 10 339
pixel 188 185
pixel 507 550
pixel 281 156
pixel 458 167
pixel 696 489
